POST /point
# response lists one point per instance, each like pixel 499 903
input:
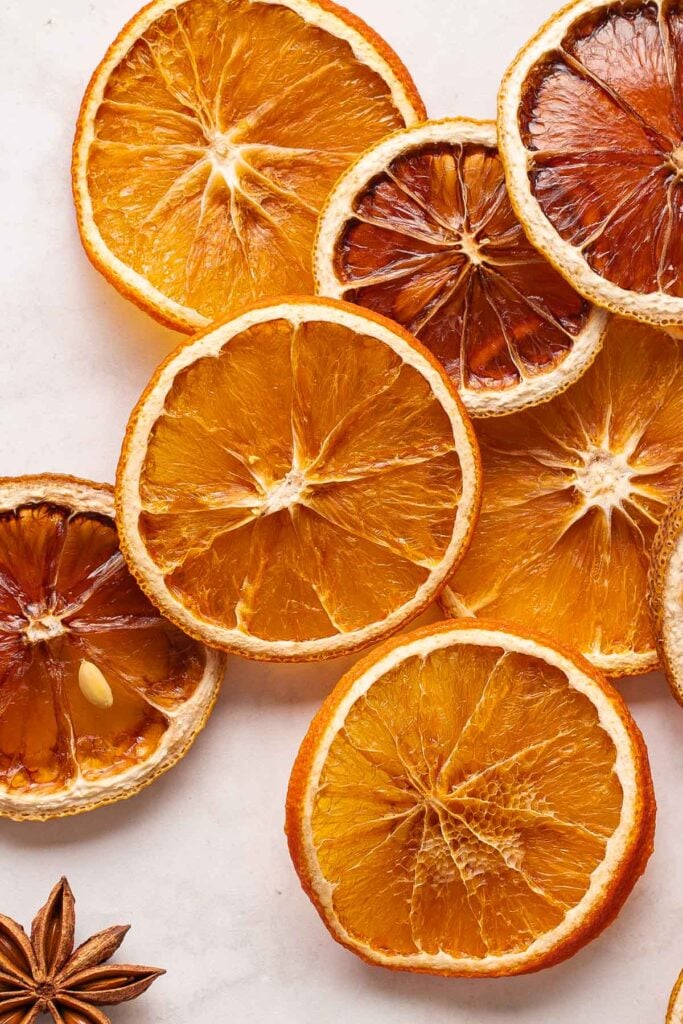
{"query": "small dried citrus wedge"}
pixel 298 482
pixel 590 125
pixel 421 230
pixel 209 138
pixel 98 693
pixel 674 1013
pixel 666 594
pixel 469 801
pixel 574 492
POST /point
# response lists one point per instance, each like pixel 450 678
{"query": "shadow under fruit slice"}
pixel 666 594
pixel 574 492
pixel 470 801
pixel 298 482
pixel 98 693
pixel 421 230
pixel 209 138
pixel 590 123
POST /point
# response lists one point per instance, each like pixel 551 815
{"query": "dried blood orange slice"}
pixel 209 138
pixel 298 482
pixel 666 594
pixel 574 492
pixel 99 694
pixel 470 801
pixel 421 230
pixel 591 134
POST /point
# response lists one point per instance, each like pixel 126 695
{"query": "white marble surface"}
pixel 198 863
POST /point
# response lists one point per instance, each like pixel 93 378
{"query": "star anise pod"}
pixel 43 974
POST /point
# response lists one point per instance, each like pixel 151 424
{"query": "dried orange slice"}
pixel 298 482
pixel 421 230
pixel 674 1013
pixel 98 693
pixel 209 138
pixel 574 492
pixel 666 594
pixel 471 802
pixel 591 131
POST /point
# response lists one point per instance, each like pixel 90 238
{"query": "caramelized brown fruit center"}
pixel 435 245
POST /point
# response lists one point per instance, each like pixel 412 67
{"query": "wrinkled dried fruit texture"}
pixel 602 118
pixel 219 137
pixel 464 804
pixel 66 596
pixel 302 483
pixel 573 495
pixel 434 244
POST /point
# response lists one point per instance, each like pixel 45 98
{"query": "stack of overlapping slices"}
pixel 303 478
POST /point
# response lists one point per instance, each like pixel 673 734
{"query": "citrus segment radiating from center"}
pixel 209 139
pixel 297 482
pixel 574 493
pixel 421 230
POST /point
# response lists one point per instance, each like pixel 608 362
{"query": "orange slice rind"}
pixel 100 694
pixel 470 801
pixel 270 476
pixel 674 1014
pixel 420 229
pixel 666 594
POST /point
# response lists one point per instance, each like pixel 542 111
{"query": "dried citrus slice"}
pixel 590 130
pixel 298 482
pixel 666 594
pixel 421 230
pixel 574 492
pixel 470 802
pixel 209 138
pixel 674 1013
pixel 98 693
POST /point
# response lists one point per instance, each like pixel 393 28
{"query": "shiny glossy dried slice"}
pixel 421 230
pixel 470 802
pixel 298 482
pixel 209 138
pixel 67 600
pixel 666 594
pixel 574 493
pixel 591 134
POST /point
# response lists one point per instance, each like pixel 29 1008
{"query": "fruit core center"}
pixel 43 627
pixel 285 492
pixel 225 153
pixel 676 159
pixel 605 478
pixel 470 248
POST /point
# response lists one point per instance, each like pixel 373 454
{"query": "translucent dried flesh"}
pixel 573 495
pixel 67 597
pixel 217 143
pixel 602 118
pixel 301 484
pixel 464 804
pixel 434 244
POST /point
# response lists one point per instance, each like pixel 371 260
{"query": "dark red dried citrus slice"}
pixel 591 133
pixel 98 692
pixel 421 229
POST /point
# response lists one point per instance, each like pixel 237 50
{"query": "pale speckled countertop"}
pixel 198 862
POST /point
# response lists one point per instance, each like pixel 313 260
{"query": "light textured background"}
pixel 198 863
